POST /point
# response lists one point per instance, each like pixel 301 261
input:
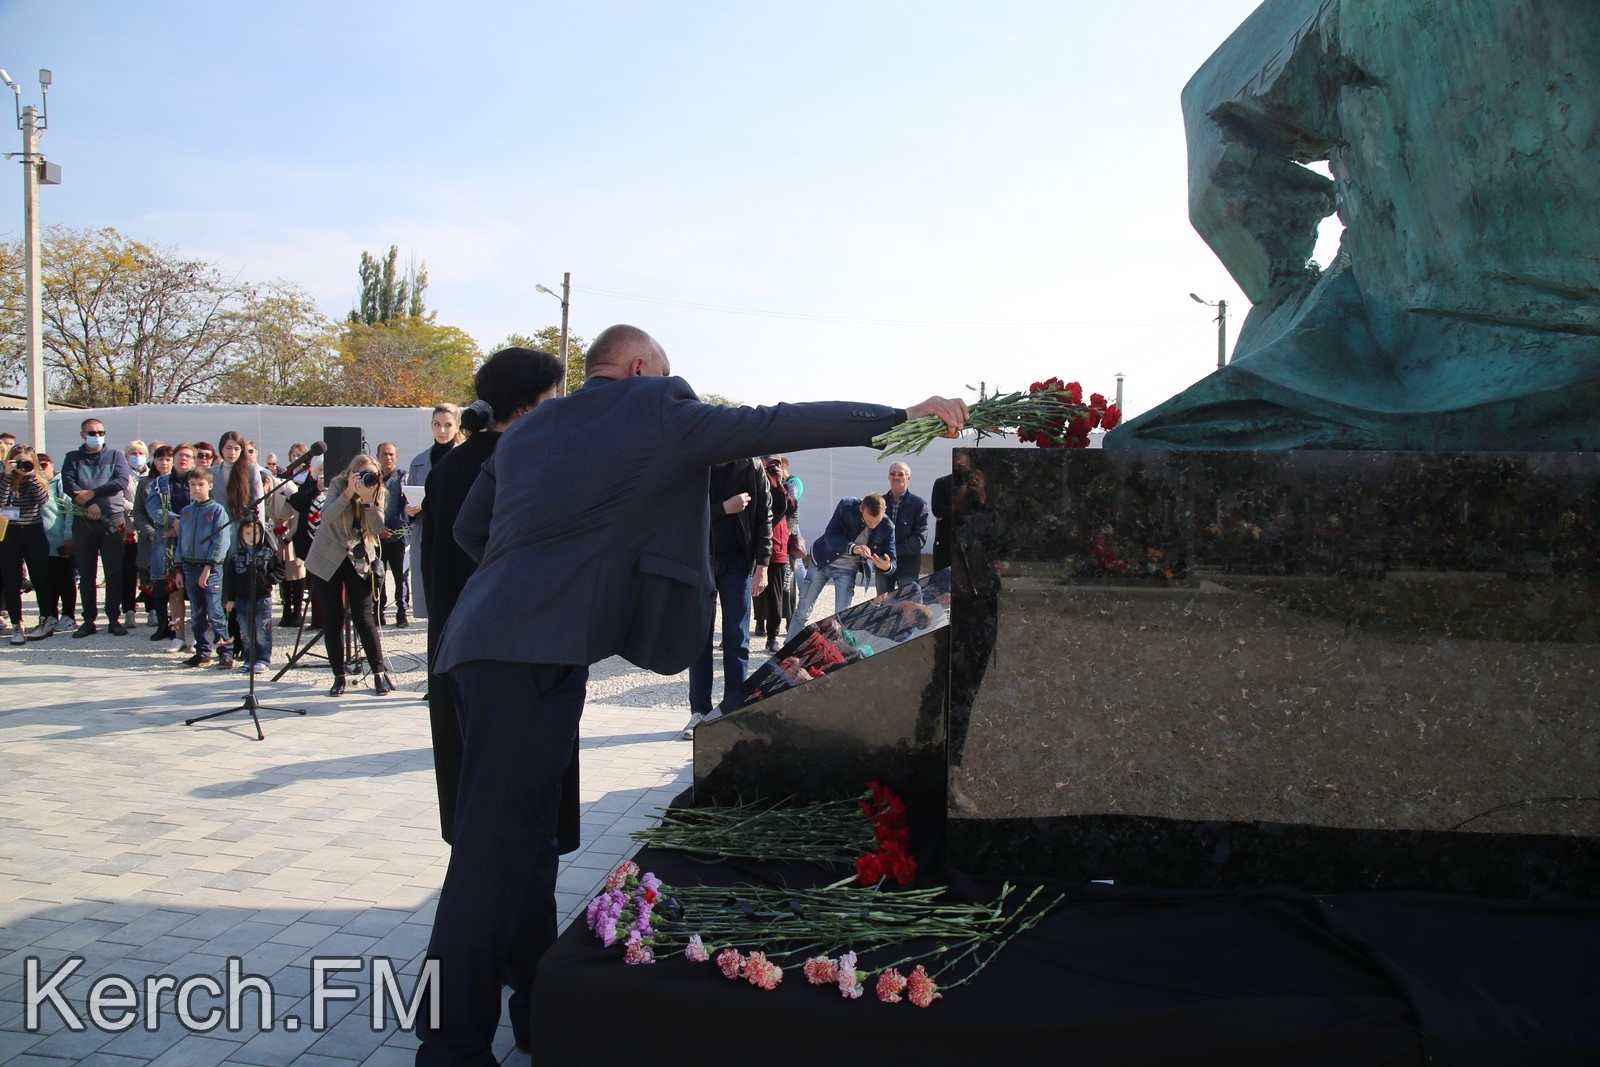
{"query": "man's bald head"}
pixel 623 351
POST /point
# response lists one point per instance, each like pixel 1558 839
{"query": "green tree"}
pixel 386 293
pixel 125 322
pixel 405 362
pixel 549 340
pixel 292 358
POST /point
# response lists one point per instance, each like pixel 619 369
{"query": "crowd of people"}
pixel 208 542
pixel 532 572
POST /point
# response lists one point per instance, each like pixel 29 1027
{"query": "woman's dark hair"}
pixel 512 378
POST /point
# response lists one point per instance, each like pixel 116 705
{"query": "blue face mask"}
pixel 94 440
pixel 136 461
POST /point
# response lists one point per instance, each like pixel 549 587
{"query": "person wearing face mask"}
pixel 132 572
pixel 95 479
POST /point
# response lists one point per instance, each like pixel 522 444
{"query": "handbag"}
pixel 797 544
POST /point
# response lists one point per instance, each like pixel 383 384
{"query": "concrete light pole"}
pixel 35 172
pixel 1222 327
pixel 566 305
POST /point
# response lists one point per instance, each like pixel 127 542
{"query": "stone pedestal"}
pixel 1329 670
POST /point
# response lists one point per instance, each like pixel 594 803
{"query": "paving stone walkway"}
pixel 143 848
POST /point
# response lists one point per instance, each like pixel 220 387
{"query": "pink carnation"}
pixel 922 990
pixel 890 983
pixel 820 970
pixel 730 962
pixel 849 977
pixel 695 951
pixel 759 970
pixel 619 877
pixel 638 952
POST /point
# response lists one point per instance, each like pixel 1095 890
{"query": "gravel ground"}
pixel 613 681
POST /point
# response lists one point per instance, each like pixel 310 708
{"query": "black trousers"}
pixel 394 561
pixel 347 588
pixel 63 587
pixel 25 544
pixel 97 540
pixel 497 911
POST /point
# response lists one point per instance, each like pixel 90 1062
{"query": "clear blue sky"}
pixel 863 200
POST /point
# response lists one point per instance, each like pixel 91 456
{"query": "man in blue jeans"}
pixel 741 550
pixel 856 531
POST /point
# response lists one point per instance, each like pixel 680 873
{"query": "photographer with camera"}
pixel 23 493
pixel 342 566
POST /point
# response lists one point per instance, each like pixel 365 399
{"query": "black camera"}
pixel 25 466
pixel 370 478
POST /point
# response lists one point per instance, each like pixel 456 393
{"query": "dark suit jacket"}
pixel 910 535
pixel 590 521
pixel 445 569
pixel 845 526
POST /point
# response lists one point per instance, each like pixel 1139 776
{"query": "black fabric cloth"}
pixel 1134 977
pixel 445 568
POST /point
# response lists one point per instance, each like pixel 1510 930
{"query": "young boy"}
pixel 252 569
pixel 203 536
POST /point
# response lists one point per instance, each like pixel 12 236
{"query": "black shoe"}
pixel 338 686
pixel 117 629
pixel 197 660
pixel 225 662
pixel 381 684
pixel 401 621
pixel 163 634
pixel 85 630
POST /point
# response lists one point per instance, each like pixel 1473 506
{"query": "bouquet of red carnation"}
pixel 1051 414
pixel 886 812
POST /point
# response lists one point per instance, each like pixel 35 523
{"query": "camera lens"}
pixel 370 478
pixel 25 465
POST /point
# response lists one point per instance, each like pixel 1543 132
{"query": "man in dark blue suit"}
pixel 856 532
pixel 909 514
pixel 590 526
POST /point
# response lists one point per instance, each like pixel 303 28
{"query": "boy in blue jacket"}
pixel 203 538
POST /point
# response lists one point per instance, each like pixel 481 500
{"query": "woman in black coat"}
pixel 511 383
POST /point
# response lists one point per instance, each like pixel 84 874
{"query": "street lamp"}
pixel 565 296
pixel 35 172
pixel 1222 327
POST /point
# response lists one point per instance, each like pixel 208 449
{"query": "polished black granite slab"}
pixel 881 718
pixel 861 631
pixel 1340 670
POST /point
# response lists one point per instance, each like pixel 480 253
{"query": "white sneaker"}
pixel 17 636
pixel 694 720
pixel 5 626
pixel 176 645
pixel 130 619
pixel 44 629
pixel 258 667
pixel 66 624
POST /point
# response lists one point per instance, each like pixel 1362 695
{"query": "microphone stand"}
pixel 250 703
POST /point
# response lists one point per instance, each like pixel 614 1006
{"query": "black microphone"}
pixel 303 460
